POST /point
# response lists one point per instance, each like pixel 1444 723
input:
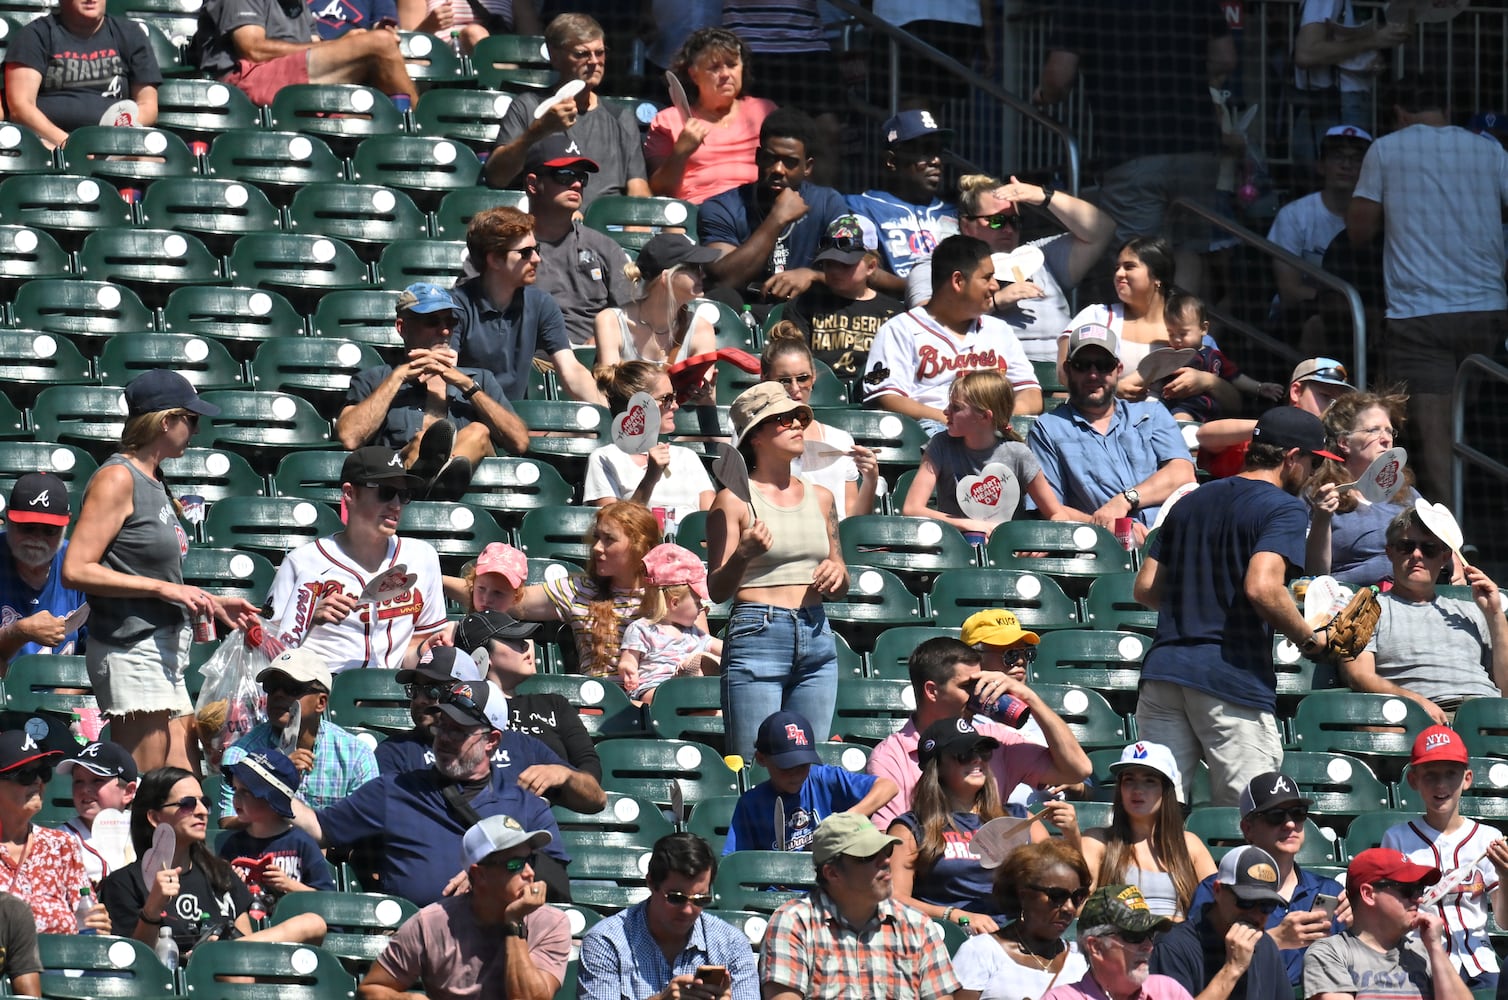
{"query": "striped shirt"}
pixel 342 764
pixel 778 26
pixel 1465 907
pixel 899 954
pixel 572 596
pixel 919 358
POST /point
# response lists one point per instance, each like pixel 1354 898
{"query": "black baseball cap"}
pixel 106 759
pixel 476 628
pixel 669 250
pixel 161 389
pixel 1269 790
pixel 1290 427
pixel 947 736
pixel 466 703
pixel 559 149
pixel 38 498
pixel 376 464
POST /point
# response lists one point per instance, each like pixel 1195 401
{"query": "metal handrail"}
pixel 1460 451
pixel 899 36
pixel 1319 274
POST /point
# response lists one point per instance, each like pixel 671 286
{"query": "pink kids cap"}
pixel 671 565
pixel 506 560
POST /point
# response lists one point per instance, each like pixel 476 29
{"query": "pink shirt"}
pixel 895 758
pixel 1155 988
pixel 459 959
pixel 724 160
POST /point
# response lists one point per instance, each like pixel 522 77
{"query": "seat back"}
pixel 1339 787
pixel 647 768
pixel 370 699
pixel 1112 605
pixel 688 708
pixel 1072 554
pixel 557 533
pixel 508 488
pixel 30 361
pixel 263 426
pixel 298 265
pixel 152 261
pixel 762 880
pixel 311 475
pixel 604 709
pixel 318 369
pixel 98 966
pixel 264 970
pixel 869 709
pixel 205 363
pixel 367 216
pixel 71 464
pixel 897 441
pixel 917 548
pixel 365 316
pixel 426 167
pixel 892 650
pixel 90 416
pixel 27 252
pixel 1089 716
pixel 633 221
pixel 511 62
pixel 430 62
pixel 48 682
pixel 280 163
pixel 1378 728
pixel 457 207
pixel 130 157
pixel 876 600
pixel 202 108
pixel 22 151
pixel 65 205
pixel 472 117
pixel 404 262
pixel 270 525
pixel 457 531
pixel 624 822
pixel 360 922
pixel 1037 601
pixel 1108 662
pixel 213 475
pixel 238 316
pixel 214 209
pixel 342 114
pixel 229 573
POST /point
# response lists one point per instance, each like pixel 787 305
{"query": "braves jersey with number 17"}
pixel 1464 907
pixel 908 233
pixel 369 636
pixel 915 356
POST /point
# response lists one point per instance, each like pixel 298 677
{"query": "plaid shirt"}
pixel 342 764
pixel 899 954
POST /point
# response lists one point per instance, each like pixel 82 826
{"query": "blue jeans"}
pixel 773 659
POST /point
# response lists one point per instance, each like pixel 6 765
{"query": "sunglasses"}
pixel 1407 890
pixel 1137 937
pixel 431 691
pixel 1335 372
pixel 511 865
pixel 273 686
pixel 467 705
pixel 791 381
pixel 1101 367
pixel 699 900
pixel 188 802
pixel 793 418
pixel 970 755
pixel 1261 905
pixel 843 243
pixel 27 775
pixel 192 419
pixel 532 250
pixel 999 220
pixel 387 494
pixel 664 401
pixel 32 528
pixel 1429 550
pixel 1057 897
pixel 1277 817
pixel 1021 654
pixel 565 177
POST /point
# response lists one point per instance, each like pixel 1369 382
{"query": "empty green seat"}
pixel 229 573
pixel 204 362
pixel 84 310
pixel 512 62
pixel 1089 716
pixel 609 878
pixel 238 316
pixel 46 682
pixel 625 822
pixel 1036 600
pixel 93 966
pixel 367 216
pixel 300 266
pixel 365 316
pixel 1339 787
pixel 263 426
pixel 1111 604
pixel 557 533
pixel 893 648
pixel 762 880
pixel 1378 728
pixel 1483 725
pixel 710 819
pixel 277 162
pixel 360 923
pixel 264 970
pixel 688 708
pixel 129 157
pixel 271 525
pixel 89 416
pixel 613 214
pixel 604 709
pixel 876 600
pixel 426 167
pixel 576 430
pixel 152 261
pixel 71 464
pixel 869 709
pixel 27 252
pixel 1108 662
pixel 212 474
pixel 914 548
pixel 509 488
pixel 319 369
pixel 430 62
pixel 342 114
pixel 1367 829
pixel 404 262
pixel 897 441
pixel 22 152
pixel 664 771
pixel 204 109
pixel 310 475
pixel 457 207
pixel 370 699
pixel 216 210
pixel 1073 554
pixel 469 116
pixel 66 205
pixel 456 530
pixel 31 360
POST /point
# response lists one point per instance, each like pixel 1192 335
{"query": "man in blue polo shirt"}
pixel 419 817
pixel 768 229
pixel 34 604
pixel 1104 457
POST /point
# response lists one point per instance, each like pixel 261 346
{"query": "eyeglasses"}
pixel 566 176
pixel 589 55
pixel 1101 367
pixel 387 494
pixel 27 775
pixel 430 691
pixel 532 250
pixel 1405 890
pixel 1429 550
pixel 1057 897
pixel 998 220
pixel 188 803
pixel 1277 817
pixel 511 865
pixel 32 528
pixel 791 381
pixel 1263 905
pixel 1372 432
pixel 699 899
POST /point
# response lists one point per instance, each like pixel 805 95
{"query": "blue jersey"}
pixel 17 600
pixel 334 18
pixel 827 790
pixel 293 850
pixel 908 233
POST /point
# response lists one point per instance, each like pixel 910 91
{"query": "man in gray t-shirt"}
pixel 1437 651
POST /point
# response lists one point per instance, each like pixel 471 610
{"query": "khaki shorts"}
pixel 145 676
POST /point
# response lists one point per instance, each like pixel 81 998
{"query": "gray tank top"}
pixel 149 544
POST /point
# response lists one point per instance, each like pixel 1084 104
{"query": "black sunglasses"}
pixel 1137 937
pixel 843 243
pixel 1429 550
pixel 699 900
pixel 566 176
pixel 1057 897
pixel 431 691
pixel 27 775
pixel 387 494
pixel 532 250
pixel 1102 367
pixel 1277 817
pixel 189 802
pixel 999 220
pixel 192 419
pixel 1263 905
pixel 468 705
pixel 33 528
pixel 288 686
pixel 1408 890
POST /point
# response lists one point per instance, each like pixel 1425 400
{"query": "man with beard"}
pixel 1217 573
pixel 911 218
pixel 768 230
pixel 418 818
pixel 33 601
pixel 1116 934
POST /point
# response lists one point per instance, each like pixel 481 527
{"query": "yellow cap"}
pixel 995 628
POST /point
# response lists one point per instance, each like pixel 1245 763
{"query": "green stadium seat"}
pixel 1089 716
pixel 1483 725
pixel 204 362
pixel 310 475
pixel 277 162
pixel 237 316
pixel 1104 661
pixel 404 262
pixel 68 206
pixel 12 421
pixel 299 265
pixel 762 880
pixel 695 425
pixel 370 699
pixel 1047 376
pixel 914 548
pixel 1367 829
pixel 360 923
pixel 752 923
pixel 366 216
pixel 366 316
pixel 1340 787
pixel 511 62
pixel 166 49
pixel 457 207
pixel 1036 600
pixel 1111 605
pixel 849 756
pixel 426 167
pixel 343 114
pixel 614 213
pixel 876 600
pixel 624 822
pixel 269 525
pixel 264 970
pixel 557 533
pixel 1378 728
pixel 893 649
pixel 869 709
pixel 508 488
pixel 151 261
pixel 264 426
pixel 457 531
pixel 897 441
pixel 37 682
pixel 431 62
pixel 471 117
pixel 229 573
pixel 129 157
pixel 27 252
pixel 1220 829
pixel 604 709
pixel 688 708
pixel 89 416
pixel 609 878
pixel 728 329
pixel 1075 554
pixel 710 820
pixel 647 768
pixel 30 361
pixel 203 109
pixel 216 210
pixel 213 475
pixel 691 533
pixel 22 151
pixel 1297 675
pixel 588 427
pixel 319 369
pixel 99 966
pixel 72 465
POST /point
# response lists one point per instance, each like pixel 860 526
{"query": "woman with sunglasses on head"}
pixel 193 884
pixel 667 275
pixel 1144 269
pixel 852 479
pixel 39 865
pixel 1040 887
pixel 1145 844
pixel 126 553
pixel 668 475
pixel 776 555
pixel 935 868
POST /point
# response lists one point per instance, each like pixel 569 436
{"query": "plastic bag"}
pixel 231 701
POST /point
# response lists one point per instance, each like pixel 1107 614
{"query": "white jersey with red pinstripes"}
pixel 915 356
pixel 368 637
pixel 1464 908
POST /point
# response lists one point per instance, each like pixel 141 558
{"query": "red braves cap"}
pixel 38 498
pixel 1439 743
pixel 1376 863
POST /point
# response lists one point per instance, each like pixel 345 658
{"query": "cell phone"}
pixel 713 976
pixel 387 22
pixel 1328 903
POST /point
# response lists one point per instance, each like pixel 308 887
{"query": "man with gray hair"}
pixel 1116 932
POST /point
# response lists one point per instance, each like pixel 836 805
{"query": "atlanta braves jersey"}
pixel 915 356
pixel 1464 908
pixel 369 636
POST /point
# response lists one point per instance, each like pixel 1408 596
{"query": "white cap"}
pixel 498 833
pixel 1152 756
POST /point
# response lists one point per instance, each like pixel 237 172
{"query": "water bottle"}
pixel 751 324
pixel 81 912
pixel 76 727
pixel 455 41
pixel 669 532
pixel 258 911
pixel 1007 709
pixel 167 949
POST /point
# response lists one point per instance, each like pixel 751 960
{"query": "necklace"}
pixel 1044 964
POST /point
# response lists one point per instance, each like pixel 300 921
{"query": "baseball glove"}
pixel 1352 627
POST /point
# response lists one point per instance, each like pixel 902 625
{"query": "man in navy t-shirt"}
pixel 34 604
pixel 1217 574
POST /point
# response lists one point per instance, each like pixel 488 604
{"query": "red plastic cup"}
pixel 131 195
pixel 199 148
pixel 1125 533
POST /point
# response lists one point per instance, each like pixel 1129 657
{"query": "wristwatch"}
pixel 1133 498
pixel 517 930
pixel 1047 192
pixel 471 390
